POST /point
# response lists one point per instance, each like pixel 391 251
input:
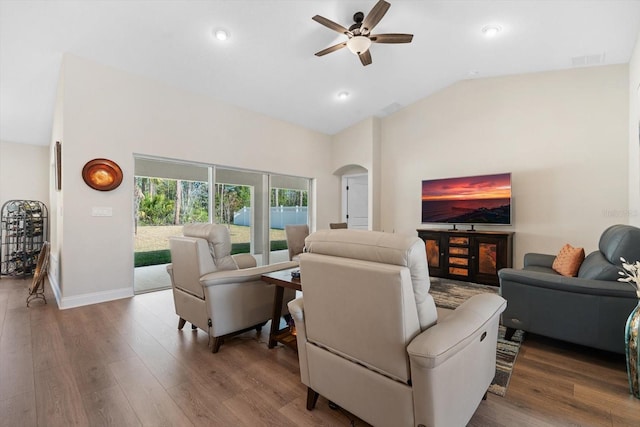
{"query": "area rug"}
pixel 450 294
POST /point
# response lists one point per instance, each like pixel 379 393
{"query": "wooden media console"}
pixel 472 256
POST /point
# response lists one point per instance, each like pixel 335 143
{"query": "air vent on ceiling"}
pixel 389 109
pixel 588 60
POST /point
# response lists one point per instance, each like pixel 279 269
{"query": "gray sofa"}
pixel 590 309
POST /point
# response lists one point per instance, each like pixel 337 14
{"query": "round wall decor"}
pixel 102 174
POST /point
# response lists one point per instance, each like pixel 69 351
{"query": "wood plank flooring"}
pixel 124 363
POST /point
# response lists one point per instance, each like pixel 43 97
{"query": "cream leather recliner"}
pixel 217 292
pixel 369 336
pixel 295 235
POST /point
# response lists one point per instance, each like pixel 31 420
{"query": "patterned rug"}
pixel 450 294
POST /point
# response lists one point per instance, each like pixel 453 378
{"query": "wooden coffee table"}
pixel 281 279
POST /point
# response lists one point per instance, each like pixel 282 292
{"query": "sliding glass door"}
pixel 255 206
pixel 288 204
pixel 167 195
pixel 239 202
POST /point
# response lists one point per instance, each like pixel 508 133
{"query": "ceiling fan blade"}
pixel 330 24
pixel 365 57
pixel 376 14
pixel 391 38
pixel 331 49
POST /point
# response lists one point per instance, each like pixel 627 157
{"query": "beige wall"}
pixel 563 135
pixel 353 146
pixel 634 143
pixel 24 172
pixel 112 114
pixel 359 147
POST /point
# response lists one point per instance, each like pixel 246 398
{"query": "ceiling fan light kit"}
pixel 358 44
pixel 359 34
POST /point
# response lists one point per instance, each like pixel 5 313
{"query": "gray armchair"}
pixel 370 339
pixel 590 309
pixel 214 291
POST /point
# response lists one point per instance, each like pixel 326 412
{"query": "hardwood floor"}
pixel 124 363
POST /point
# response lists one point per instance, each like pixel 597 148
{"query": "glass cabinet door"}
pixel 433 252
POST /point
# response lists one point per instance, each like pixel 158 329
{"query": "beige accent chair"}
pixel 216 292
pixel 295 235
pixel 370 339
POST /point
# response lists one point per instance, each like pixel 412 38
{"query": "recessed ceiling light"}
pixel 221 34
pixel 491 30
pixel 343 95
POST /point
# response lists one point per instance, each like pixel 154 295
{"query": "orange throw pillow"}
pixel 568 260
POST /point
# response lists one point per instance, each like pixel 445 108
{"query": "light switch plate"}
pixel 101 211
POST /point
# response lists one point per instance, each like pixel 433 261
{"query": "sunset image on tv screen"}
pixel 482 199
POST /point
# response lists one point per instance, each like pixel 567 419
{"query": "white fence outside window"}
pixel 280 216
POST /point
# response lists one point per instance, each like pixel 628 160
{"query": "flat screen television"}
pixel 481 199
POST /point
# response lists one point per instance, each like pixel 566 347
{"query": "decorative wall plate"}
pixel 102 174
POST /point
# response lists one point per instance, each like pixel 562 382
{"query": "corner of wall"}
pixel 634 135
pixel 376 175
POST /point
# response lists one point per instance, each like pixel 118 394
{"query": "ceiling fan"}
pixel 359 34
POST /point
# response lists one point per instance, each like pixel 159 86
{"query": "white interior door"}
pixel 357 201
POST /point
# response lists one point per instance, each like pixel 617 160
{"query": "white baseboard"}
pixel 54 287
pixel 88 299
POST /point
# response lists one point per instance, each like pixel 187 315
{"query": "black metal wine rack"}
pixel 24 231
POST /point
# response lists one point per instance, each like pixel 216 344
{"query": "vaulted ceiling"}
pixel 268 64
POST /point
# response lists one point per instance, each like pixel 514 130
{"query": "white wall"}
pixel 24 172
pixel 111 114
pixel 55 196
pixel 634 130
pixel 563 135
